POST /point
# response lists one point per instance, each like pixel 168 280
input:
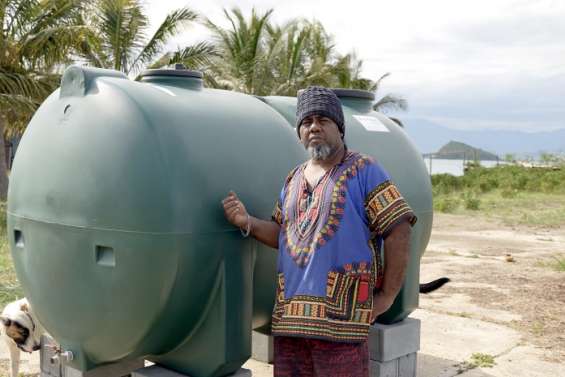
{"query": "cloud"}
pixel 487 64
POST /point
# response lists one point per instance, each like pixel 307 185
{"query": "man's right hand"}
pixel 235 211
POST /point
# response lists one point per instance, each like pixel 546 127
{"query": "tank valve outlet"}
pixel 60 355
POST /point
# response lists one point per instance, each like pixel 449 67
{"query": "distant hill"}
pixel 455 150
pixel 429 137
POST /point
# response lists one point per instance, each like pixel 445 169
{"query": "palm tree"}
pixel 36 37
pixel 122 43
pixel 260 58
pixel 303 59
pixel 243 48
pixel 347 70
pixel 389 101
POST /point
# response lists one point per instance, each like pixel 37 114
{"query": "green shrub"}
pixel 510 179
pixel 508 193
pixel 487 184
pixel 446 205
pixel 519 182
pixel 445 183
pixel 549 184
pixel 472 203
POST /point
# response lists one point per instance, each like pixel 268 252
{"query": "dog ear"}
pixel 6 321
pixel 24 307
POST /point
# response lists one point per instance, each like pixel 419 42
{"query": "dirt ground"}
pixel 501 275
pixel 505 300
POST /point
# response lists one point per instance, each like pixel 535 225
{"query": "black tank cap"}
pixel 179 70
pixel 354 93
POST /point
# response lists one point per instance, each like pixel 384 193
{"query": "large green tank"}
pixel 376 135
pixel 116 224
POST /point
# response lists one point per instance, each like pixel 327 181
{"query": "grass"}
pixel 556 263
pixel 559 264
pixel 10 289
pixel 515 195
pixel 478 360
pixel 463 315
pixel 538 328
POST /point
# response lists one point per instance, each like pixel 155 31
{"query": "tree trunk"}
pixel 3 168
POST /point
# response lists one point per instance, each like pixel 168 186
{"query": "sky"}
pixel 494 64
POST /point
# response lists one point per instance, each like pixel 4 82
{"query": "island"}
pixel 455 150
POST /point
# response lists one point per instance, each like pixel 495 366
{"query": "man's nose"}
pixel 315 126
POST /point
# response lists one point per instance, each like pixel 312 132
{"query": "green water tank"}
pixel 116 225
pixel 376 135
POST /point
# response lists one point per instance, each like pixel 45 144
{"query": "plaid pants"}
pixel 302 357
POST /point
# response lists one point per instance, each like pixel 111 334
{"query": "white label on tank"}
pixel 163 90
pixel 371 123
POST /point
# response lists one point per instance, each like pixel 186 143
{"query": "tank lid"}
pixel 354 93
pixel 179 70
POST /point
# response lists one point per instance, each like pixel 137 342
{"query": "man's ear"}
pixel 6 321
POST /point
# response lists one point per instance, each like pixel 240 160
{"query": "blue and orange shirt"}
pixel 330 245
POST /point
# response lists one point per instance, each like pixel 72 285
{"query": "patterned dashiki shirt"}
pixel 330 249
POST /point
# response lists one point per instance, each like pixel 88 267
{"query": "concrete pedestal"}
pixel 159 371
pixel 262 347
pixel 393 349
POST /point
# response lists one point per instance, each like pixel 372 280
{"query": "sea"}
pixel 453 167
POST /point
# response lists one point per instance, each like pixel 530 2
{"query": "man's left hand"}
pixel 381 303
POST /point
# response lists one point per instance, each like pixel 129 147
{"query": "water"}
pixel 453 167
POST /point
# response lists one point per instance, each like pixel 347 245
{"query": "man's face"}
pixel 320 136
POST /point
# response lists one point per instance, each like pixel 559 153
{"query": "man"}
pixel 329 224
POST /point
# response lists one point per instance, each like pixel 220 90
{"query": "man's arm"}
pixel 397 252
pixel 266 232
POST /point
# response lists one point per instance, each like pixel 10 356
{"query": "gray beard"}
pixel 320 152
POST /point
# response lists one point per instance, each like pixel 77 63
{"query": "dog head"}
pixel 20 326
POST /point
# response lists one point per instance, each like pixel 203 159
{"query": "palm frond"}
pixel 50 13
pixel 121 25
pixel 172 23
pixel 377 84
pixel 17 103
pixel 391 102
pixel 23 84
pixel 15 13
pixel 54 44
pixel 195 56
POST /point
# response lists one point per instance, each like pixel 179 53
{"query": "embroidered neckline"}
pixel 310 225
pixel 310 205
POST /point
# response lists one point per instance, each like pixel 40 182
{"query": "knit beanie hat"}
pixel 317 100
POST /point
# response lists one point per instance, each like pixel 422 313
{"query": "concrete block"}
pixel 159 371
pixel 48 366
pixel 389 342
pixel 262 347
pixel 155 371
pixel 120 369
pixel 407 365
pixel 404 366
pixel 383 369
